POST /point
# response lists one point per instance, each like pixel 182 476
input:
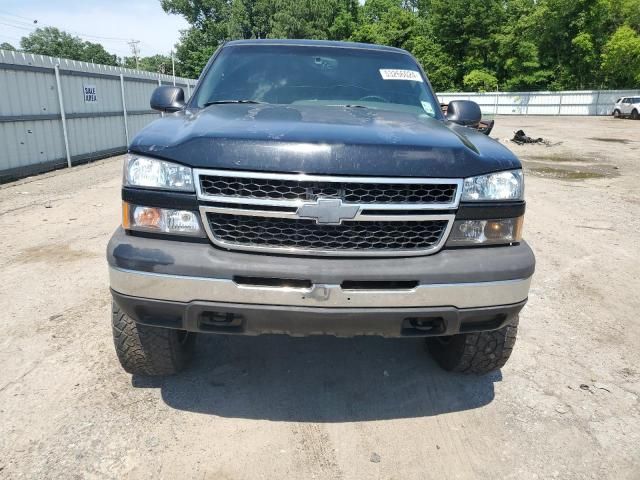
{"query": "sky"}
pixel 109 22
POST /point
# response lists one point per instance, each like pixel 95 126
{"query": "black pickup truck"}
pixel 315 187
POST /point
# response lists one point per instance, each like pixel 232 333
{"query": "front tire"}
pixel 478 353
pixel 145 350
pixel 616 114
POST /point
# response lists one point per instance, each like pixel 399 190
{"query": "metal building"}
pixel 58 112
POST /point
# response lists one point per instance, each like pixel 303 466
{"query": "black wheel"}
pixel 616 114
pixel 477 353
pixel 634 114
pixel 144 350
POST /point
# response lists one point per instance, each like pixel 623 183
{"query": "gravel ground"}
pixel 565 406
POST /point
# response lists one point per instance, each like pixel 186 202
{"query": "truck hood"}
pixel 322 140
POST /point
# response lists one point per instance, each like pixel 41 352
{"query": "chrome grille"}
pixel 302 234
pixel 326 215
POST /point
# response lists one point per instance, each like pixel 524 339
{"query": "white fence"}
pixel 55 112
pixel 583 102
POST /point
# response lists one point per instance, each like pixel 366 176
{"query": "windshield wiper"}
pixel 222 102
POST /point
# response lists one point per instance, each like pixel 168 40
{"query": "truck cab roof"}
pixel 315 43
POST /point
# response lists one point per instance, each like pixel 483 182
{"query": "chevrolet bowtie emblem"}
pixel 329 211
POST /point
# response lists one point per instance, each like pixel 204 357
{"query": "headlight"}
pixel 507 185
pixel 153 173
pixel 485 232
pixel 161 220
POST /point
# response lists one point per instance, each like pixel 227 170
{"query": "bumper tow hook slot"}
pixel 319 292
pixel 427 324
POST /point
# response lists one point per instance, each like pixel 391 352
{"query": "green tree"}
pixel 522 44
pixel 465 31
pixel 194 50
pixel 514 56
pixel 480 81
pixel 621 58
pixel 385 22
pixel 303 18
pixel 56 43
pixel 199 13
pixel 215 21
pixel 6 46
pixel 436 63
pixel 624 12
pixel 250 18
pixel 346 21
pixel 586 59
pixel 570 35
pixel 155 63
pixel 522 69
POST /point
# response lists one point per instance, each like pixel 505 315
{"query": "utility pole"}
pixel 135 50
pixel 173 68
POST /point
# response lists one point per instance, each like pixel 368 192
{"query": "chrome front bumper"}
pixel 185 289
pixel 196 287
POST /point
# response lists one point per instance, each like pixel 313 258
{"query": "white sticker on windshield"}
pixel 394 74
pixel 428 108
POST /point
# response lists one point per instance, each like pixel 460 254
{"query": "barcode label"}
pixel 394 74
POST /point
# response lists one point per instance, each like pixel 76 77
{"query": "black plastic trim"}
pixel 487 264
pixel 490 210
pixel 249 319
pixel 167 237
pixel 272 282
pixel 160 198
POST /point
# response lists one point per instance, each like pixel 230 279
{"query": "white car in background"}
pixel 627 107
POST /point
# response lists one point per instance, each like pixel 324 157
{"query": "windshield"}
pixel 305 75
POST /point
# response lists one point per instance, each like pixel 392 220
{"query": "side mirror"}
pixel 464 112
pixel 167 99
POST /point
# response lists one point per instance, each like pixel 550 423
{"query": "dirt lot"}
pixel 566 405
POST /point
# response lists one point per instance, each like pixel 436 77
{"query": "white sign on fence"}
pixel 90 93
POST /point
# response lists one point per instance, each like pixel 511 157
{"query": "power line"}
pixel 31 29
pixel 29 24
pixel 32 22
pixel 17 16
pixel 17 26
pixel 15 42
pixel 19 22
pixel 135 50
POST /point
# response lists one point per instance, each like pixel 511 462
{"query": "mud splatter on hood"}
pixel 322 140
